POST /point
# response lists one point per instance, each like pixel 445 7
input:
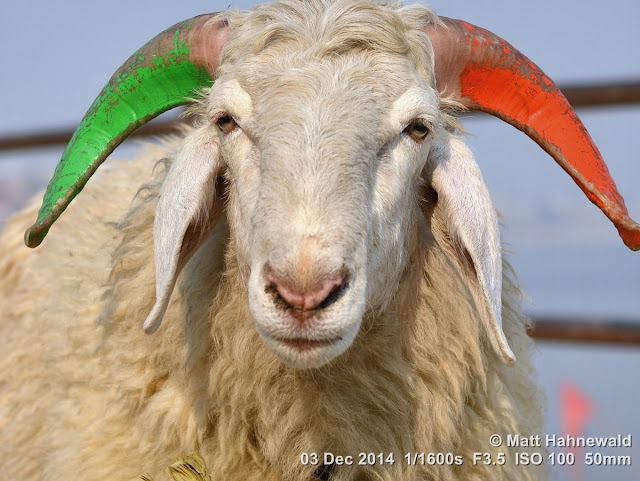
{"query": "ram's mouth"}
pixel 304 344
pixel 310 349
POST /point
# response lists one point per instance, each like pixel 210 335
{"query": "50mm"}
pixel 598 459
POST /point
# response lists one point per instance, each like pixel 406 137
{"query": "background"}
pixel 569 258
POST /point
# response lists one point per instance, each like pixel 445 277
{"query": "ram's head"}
pixel 329 146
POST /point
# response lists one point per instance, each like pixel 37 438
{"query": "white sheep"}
pixel 327 261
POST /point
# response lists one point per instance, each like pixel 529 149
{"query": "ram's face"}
pixel 324 161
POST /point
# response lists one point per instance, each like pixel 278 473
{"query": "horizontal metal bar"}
pixel 603 94
pixel 552 329
pixel 618 93
pixel 55 137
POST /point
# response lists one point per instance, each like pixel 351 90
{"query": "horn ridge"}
pixel 483 72
pixel 162 75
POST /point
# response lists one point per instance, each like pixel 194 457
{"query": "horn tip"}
pixel 631 239
pixel 35 234
pixel 629 231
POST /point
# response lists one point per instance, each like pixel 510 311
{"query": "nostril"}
pixel 307 296
pixel 336 293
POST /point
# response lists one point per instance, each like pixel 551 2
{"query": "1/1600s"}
pixel 432 459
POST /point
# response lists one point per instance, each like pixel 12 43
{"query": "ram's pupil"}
pixel 417 130
pixel 226 123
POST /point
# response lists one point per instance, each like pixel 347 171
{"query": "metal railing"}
pixel 592 331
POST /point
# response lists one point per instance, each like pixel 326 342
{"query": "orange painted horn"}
pixel 484 72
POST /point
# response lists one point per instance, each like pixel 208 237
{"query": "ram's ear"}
pixel 190 203
pixel 465 225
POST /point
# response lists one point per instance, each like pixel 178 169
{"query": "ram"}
pixel 320 248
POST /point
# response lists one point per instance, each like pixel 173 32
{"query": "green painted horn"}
pixel 162 75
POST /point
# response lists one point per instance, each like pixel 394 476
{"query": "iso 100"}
pixel 535 458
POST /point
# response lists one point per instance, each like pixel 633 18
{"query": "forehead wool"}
pixel 324 30
pixel 331 28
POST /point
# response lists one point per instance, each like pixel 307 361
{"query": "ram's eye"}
pixel 226 124
pixel 417 130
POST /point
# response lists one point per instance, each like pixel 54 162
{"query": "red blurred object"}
pixel 576 409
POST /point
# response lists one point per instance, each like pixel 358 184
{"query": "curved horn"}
pixel 483 72
pixel 160 76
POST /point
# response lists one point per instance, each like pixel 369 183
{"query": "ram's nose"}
pixel 303 297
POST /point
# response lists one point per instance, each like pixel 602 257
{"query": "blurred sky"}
pixel 570 260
